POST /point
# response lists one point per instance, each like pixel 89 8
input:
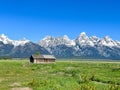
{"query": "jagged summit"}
pixel 83 36
pixel 3 36
pixel 82 40
pixel 6 40
pixel 83 33
pixel 83 46
pixel 48 38
pixel 107 41
pixel 66 37
pixel 54 41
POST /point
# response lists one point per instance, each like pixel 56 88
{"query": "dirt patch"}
pixel 99 83
pixel 0 80
pixel 70 68
pixel 60 73
pixel 15 84
pixel 22 88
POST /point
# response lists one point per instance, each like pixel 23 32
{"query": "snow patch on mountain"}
pixel 107 41
pixel 51 41
pixel 83 46
pixel 84 40
pixel 6 40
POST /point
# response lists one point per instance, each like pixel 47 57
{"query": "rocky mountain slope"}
pixel 19 48
pixel 81 47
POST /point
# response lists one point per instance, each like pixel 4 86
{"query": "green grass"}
pixel 69 75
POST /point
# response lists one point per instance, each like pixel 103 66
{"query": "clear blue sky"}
pixel 35 19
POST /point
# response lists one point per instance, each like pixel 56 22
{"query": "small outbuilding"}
pixel 42 58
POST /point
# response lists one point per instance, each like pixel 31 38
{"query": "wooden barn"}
pixel 42 58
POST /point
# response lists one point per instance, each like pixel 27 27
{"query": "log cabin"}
pixel 42 58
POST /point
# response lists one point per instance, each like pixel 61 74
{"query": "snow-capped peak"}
pixel 48 38
pixel 51 41
pixel 83 36
pixel 107 41
pixel 83 33
pixel 84 40
pixel 94 39
pixel 107 38
pixel 3 36
pixel 20 42
pixel 66 37
pixel 67 41
pixel 6 40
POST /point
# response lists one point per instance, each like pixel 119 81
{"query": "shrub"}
pixel 85 87
pixel 113 87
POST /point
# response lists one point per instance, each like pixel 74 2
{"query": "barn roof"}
pixel 37 56
pixel 49 56
pixel 44 56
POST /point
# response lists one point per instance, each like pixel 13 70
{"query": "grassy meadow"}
pixel 61 75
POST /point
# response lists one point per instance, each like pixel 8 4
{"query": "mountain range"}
pixel 62 47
